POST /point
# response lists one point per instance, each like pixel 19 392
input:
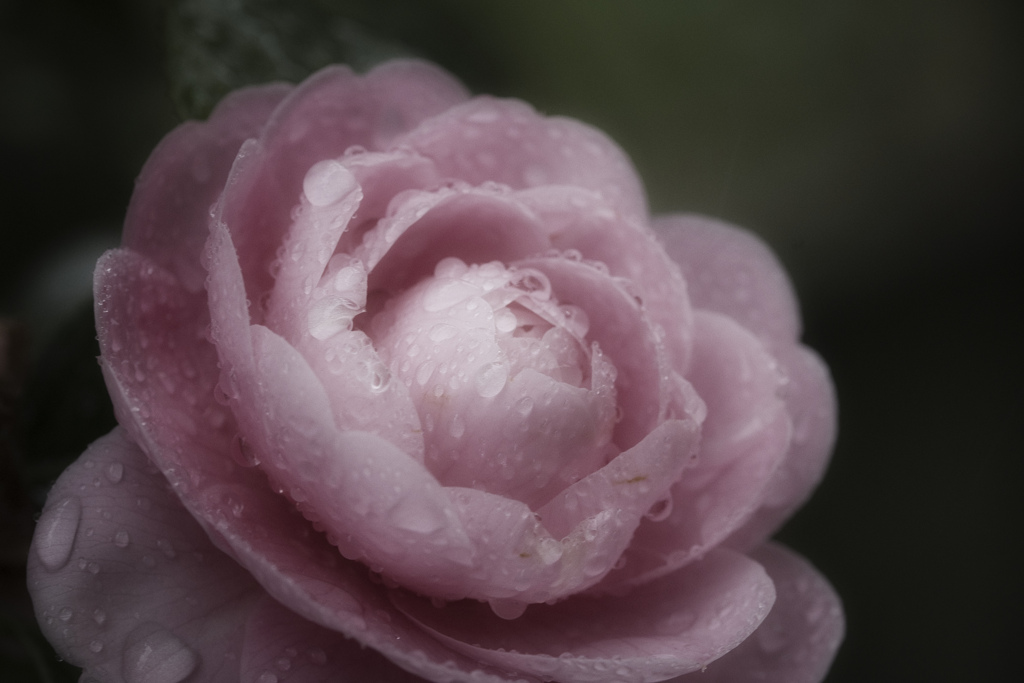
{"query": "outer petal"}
pixel 811 402
pixel 745 438
pixel 125 584
pixel 729 270
pixel 668 627
pixel 800 637
pixel 506 141
pixel 183 177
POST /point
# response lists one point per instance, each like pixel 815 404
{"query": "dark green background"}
pixel 876 145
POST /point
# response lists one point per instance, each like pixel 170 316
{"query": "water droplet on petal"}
pixel 66 614
pixel 121 539
pixel 99 616
pixel 56 532
pixel 267 677
pixel 457 427
pixel 318 656
pixel 490 379
pixel 96 646
pixel 326 182
pixel 115 472
pixel 160 657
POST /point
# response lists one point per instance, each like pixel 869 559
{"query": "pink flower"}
pixel 403 369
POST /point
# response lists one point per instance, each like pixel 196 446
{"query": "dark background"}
pixel 876 145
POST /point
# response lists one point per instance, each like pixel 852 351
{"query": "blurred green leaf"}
pixel 215 46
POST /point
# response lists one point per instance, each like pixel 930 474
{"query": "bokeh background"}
pixel 877 145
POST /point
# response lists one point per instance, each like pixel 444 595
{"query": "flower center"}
pixel 511 397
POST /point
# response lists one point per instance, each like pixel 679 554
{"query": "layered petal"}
pixel 183 177
pixel 320 119
pixel 798 640
pixel 745 438
pixel 126 584
pixel 507 142
pixel 731 271
pixel 671 626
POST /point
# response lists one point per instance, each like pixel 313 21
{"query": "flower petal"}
pixel 811 402
pixel 160 369
pixel 730 270
pixel 326 114
pixel 507 142
pixel 800 637
pixel 668 627
pixel 423 227
pixel 128 586
pixel 744 440
pixel 170 207
pixel 282 646
pixel 579 219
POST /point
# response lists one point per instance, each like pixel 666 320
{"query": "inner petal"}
pixel 511 396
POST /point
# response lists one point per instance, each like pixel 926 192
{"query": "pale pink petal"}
pixel 423 227
pixel 674 625
pixel 330 197
pixel 625 335
pixel 126 584
pixel 744 439
pixel 183 177
pixel 281 646
pixel 730 270
pixel 376 502
pixel 160 369
pixel 811 402
pixel 579 219
pixel 798 640
pixel 507 142
pixel 325 115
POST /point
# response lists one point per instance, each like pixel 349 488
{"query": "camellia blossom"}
pixel 410 386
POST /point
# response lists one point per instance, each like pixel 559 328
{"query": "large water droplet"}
pixel 490 379
pixel 418 513
pixel 326 182
pixel 160 657
pixel 115 472
pixel 56 532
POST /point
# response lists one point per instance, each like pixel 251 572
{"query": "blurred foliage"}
pixel 216 46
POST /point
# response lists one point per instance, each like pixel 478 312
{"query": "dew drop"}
pixel 166 548
pixel 96 647
pixel 317 656
pixel 457 427
pixel 115 472
pixel 56 532
pixel 326 182
pixel 121 539
pixel 490 379
pixel 418 513
pixel 99 616
pixel 65 614
pixel 160 657
pixel 524 406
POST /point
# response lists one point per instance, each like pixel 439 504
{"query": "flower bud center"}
pixel 501 375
